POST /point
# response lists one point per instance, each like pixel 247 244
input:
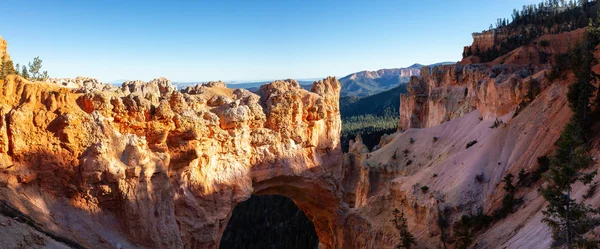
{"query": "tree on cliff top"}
pixel 34 70
pixel 6 67
pixel 407 240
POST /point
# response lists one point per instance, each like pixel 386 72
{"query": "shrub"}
pixel 435 175
pixel 473 142
pixel 544 165
pixel 591 191
pixel 523 178
pixel 543 57
pixel 409 162
pixel 424 189
pixel 480 178
pixel 435 139
pixel 411 140
pixel 406 238
pixel 497 123
pixel 468 225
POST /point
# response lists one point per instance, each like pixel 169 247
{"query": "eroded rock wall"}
pixel 170 166
pixel 447 92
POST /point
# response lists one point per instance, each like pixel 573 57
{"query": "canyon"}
pixel 88 165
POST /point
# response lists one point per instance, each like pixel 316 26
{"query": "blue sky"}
pixel 240 40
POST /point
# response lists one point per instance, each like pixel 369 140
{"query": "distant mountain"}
pixel 365 83
pixel 250 86
pixel 419 66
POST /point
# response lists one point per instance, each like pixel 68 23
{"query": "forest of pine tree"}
pixel 569 218
pixel 535 20
pixel 269 221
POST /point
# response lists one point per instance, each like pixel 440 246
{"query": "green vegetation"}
pixel 371 116
pixel 569 219
pixel 424 189
pixel 407 240
pixel 471 143
pixel 33 73
pixel 468 226
pixel 535 20
pixel 497 123
pixel 35 70
pixel 376 105
pixel 363 86
pixel 275 219
pixel 509 201
pixel 6 67
pixel 442 222
pixel 480 178
pixel 528 178
pixel 370 127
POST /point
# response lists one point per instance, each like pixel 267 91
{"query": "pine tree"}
pixel 6 67
pixel 24 72
pixel 407 240
pixel 34 70
pixel 3 72
pixel 571 220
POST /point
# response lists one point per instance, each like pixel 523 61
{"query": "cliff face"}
pixel 164 167
pixel 3 50
pixel 432 174
pixel 3 46
pixel 487 39
pixel 446 92
pixel 496 88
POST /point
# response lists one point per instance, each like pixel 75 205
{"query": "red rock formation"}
pixel 3 46
pixel 487 40
pixel 145 166
pixel 171 166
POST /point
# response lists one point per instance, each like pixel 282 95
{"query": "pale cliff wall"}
pixel 446 92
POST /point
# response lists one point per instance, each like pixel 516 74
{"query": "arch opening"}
pixel 269 221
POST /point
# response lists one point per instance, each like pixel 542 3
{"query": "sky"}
pixel 194 41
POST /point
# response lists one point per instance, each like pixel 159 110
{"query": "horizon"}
pixel 241 41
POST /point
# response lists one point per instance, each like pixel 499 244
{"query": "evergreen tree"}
pixel 3 72
pixel 34 70
pixel 6 67
pixel 407 240
pixel 571 220
pixel 24 72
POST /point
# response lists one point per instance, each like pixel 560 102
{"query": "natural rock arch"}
pixel 269 221
pixel 171 165
pixel 318 203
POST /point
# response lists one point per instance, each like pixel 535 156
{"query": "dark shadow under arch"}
pixel 269 221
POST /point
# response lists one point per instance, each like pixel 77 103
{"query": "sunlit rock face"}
pixel 3 46
pixel 170 166
pixel 447 92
